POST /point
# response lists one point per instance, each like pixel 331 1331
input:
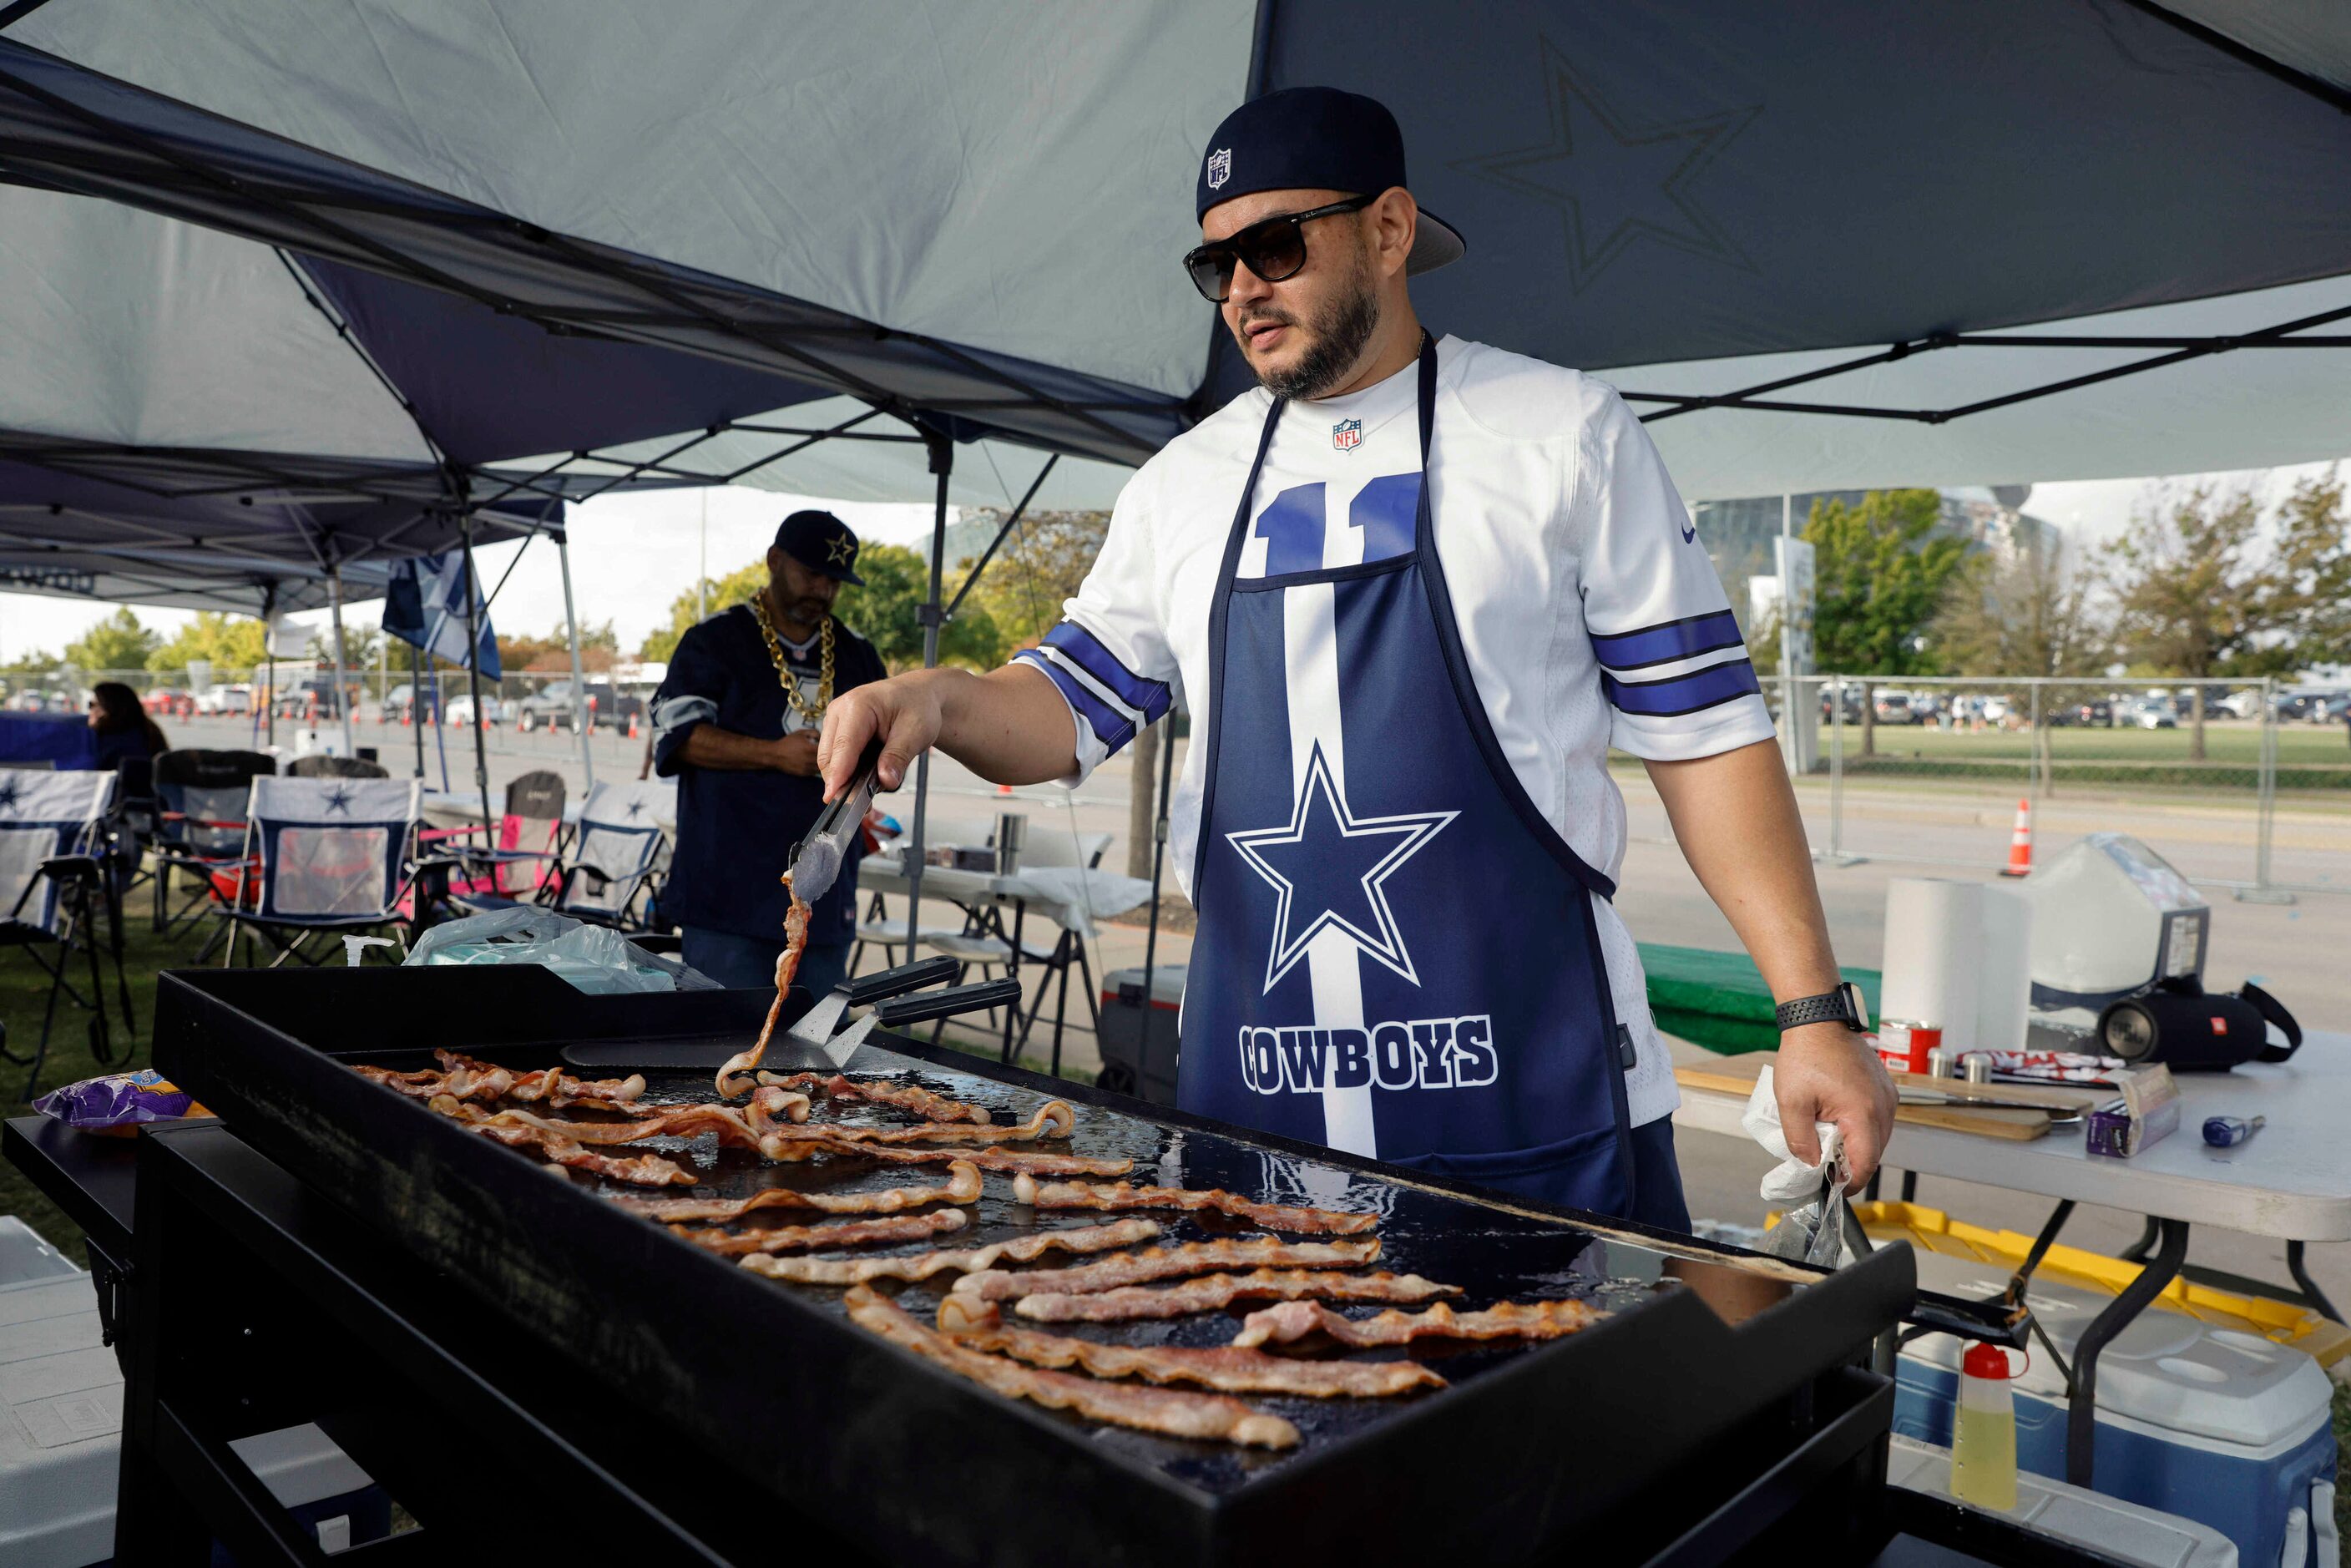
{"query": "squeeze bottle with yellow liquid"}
pixel 1984 1431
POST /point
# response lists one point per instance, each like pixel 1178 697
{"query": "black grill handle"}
pixel 948 1003
pixel 867 989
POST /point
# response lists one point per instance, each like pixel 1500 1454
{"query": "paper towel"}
pixel 1934 933
pixel 2004 971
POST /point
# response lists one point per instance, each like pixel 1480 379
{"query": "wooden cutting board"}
pixel 1736 1075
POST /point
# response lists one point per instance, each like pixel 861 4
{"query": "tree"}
pixel 361 644
pixel 2028 612
pixel 887 609
pixel 600 650
pixel 2197 594
pixel 2315 555
pixel 116 643
pixel 232 643
pixel 1880 578
pixel 886 612
pixel 1041 563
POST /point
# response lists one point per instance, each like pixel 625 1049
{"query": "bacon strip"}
pixel 554 1085
pixel 1223 1368
pixel 644 1170
pixel 1053 1120
pixel 923 1265
pixel 741 1129
pixel 463 1084
pixel 1504 1319
pixel 908 1097
pixel 1168 1262
pixel 1273 1216
pixel 847 1233
pixel 963 1186
pixel 788 966
pixel 806 1143
pixel 1170 1412
pixel 1212 1291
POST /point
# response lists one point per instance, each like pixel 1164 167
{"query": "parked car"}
pixel 2150 713
pixel 168 702
pixel 1894 708
pixel 1852 701
pixel 2245 702
pixel 2331 710
pixel 460 709
pixel 298 700
pixel 551 707
pixel 225 699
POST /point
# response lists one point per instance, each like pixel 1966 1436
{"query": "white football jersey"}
pixel 1588 611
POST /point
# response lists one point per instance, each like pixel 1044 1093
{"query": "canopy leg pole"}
pixel 342 697
pixel 579 681
pixel 416 701
pixel 474 677
pixel 942 450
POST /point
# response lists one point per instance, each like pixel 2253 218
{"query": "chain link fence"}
pixel 2245 786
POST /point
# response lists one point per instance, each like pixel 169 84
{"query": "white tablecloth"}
pixel 1074 897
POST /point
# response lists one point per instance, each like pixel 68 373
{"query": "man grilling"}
pixel 1414 590
pixel 735 723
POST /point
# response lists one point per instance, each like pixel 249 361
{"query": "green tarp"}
pixel 1719 999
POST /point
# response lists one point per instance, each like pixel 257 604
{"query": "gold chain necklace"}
pixel 790 683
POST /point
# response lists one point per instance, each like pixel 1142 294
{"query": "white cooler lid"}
pixel 2127 1531
pixel 2164 1369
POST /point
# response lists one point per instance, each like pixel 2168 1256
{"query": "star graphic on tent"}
pixel 840 550
pixel 1327 866
pixel 1615 180
pixel 339 798
pixel 10 793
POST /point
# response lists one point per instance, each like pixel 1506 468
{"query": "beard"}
pixel 1335 338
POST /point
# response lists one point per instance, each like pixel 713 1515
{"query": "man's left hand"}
pixel 796 754
pixel 1828 1073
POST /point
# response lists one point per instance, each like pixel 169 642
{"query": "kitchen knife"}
pixel 818 859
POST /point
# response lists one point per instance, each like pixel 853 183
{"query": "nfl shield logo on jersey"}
pixel 1347 435
pixel 1220 168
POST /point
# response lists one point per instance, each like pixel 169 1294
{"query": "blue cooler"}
pixel 2222 1428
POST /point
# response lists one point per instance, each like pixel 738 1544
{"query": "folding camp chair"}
pixel 320 764
pixel 321 855
pixel 523 860
pixel 607 871
pixel 201 826
pixel 57 890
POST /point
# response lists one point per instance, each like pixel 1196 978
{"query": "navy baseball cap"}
pixel 1318 138
pixel 820 542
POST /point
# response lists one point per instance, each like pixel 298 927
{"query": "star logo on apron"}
pixel 1328 868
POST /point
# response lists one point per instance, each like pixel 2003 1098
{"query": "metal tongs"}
pixel 817 859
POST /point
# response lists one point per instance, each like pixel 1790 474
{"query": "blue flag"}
pixel 424 604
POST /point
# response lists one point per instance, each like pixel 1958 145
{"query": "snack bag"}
pixel 115 1103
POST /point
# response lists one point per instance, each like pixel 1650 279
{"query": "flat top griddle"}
pixel 1705 1364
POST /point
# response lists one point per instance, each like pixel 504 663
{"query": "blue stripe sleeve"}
pixel 1667 641
pixel 1111 727
pixel 1083 649
pixel 1675 695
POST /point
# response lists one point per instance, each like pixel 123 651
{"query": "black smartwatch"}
pixel 1843 1006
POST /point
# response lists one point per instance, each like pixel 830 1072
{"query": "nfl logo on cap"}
pixel 1347 435
pixel 1220 168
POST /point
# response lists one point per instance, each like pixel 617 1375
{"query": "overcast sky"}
pixel 632 555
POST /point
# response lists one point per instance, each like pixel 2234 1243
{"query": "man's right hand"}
pixel 905 710
pixel 1009 727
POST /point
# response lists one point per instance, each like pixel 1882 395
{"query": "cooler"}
pixel 2216 1425
pixel 1138 1034
pixel 61 1411
pixel 2124 1532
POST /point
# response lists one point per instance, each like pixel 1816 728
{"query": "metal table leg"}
pixel 2310 1291
pixel 2082 1412
pixel 1012 970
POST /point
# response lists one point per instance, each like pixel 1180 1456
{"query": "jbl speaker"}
pixel 2191 1029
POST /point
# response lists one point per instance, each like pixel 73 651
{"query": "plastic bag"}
pixel 118 1103
pixel 594 959
pixel 1812 1229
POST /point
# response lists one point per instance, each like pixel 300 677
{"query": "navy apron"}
pixel 1396 953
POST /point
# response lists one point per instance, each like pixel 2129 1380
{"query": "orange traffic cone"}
pixel 2019 842
pixel 1004 789
pixel 633 726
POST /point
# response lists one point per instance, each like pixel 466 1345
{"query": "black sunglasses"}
pixel 1274 248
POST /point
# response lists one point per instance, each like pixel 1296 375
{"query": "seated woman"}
pixel 123 725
